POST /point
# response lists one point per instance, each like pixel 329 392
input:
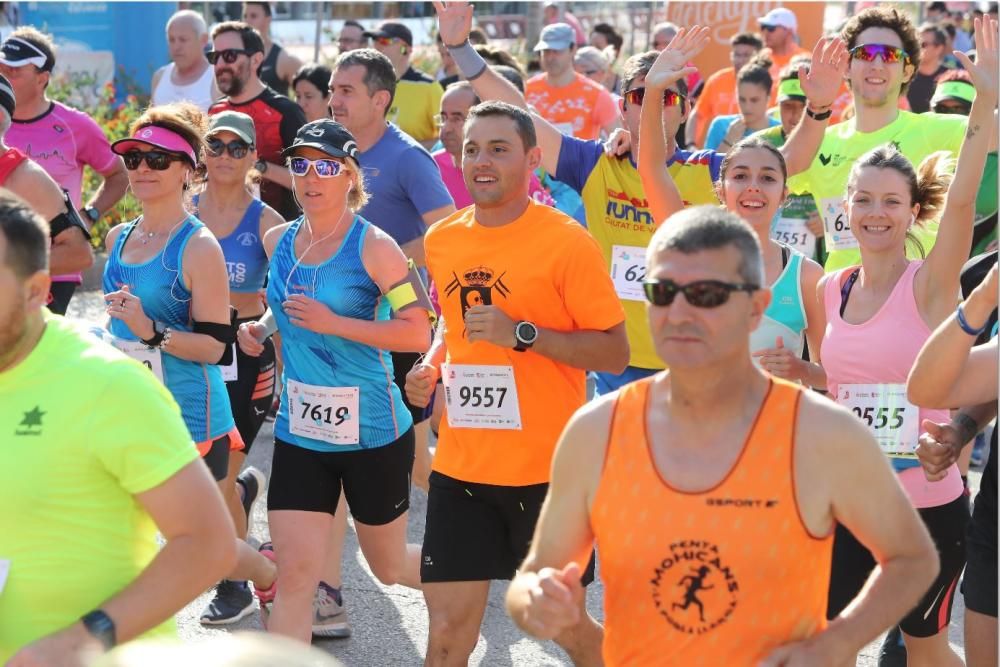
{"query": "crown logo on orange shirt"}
pixel 479 276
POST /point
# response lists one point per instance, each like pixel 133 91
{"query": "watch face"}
pixel 527 332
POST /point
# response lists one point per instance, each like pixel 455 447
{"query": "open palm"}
pixel 983 72
pixel 821 81
pixel 671 64
pixel 454 21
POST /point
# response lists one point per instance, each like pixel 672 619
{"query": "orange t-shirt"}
pixel 719 577
pixel 779 63
pixel 580 109
pixel 544 268
pixel 718 98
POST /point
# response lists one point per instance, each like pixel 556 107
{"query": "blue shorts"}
pixel 609 382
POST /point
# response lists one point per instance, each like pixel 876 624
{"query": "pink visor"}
pixel 158 137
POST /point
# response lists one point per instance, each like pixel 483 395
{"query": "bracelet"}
pixel 822 115
pixel 468 60
pixel 155 340
pixel 964 323
pixel 167 333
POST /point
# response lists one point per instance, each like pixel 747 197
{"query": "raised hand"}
pixel 983 72
pixel 822 80
pixel 454 21
pixel 671 64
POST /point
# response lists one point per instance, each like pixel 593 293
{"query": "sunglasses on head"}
pixel 700 293
pixel 155 160
pixel 869 52
pixel 671 98
pixel 227 55
pixel 325 168
pixel 236 148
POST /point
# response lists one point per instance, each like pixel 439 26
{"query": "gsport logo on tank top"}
pixel 693 588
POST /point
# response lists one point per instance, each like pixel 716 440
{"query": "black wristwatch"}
pixel 157 338
pixel 525 333
pixel 92 214
pixel 260 165
pixel 823 115
pixel 101 627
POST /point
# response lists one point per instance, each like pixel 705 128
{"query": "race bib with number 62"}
pixel 837 231
pixel 628 270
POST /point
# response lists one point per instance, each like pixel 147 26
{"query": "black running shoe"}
pixel 893 650
pixel 233 601
pixel 252 481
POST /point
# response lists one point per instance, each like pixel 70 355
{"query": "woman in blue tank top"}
pixel 342 421
pixel 239 221
pixel 165 286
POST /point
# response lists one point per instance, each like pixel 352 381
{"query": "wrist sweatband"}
pixel 964 323
pixel 468 60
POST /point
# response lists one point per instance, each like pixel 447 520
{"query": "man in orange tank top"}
pixel 712 490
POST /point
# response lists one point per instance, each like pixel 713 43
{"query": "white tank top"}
pixel 198 93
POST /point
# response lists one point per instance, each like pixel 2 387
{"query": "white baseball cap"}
pixel 780 16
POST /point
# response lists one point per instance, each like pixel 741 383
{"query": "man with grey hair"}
pixel 188 77
pixel 748 476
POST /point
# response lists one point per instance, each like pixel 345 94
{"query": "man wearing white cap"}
pixel 779 27
pixel 573 103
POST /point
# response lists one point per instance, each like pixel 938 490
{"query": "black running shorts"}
pixel 478 532
pixel 376 482
pixel 853 563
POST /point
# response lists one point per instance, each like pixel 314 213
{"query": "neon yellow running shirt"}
pixel 84 429
pixel 916 136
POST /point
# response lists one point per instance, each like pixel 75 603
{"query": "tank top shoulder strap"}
pixel 359 229
pixel 123 236
pixel 173 253
pixel 627 434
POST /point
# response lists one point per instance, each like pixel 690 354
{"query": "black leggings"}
pixel 252 392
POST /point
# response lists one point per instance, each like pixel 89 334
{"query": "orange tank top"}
pixel 720 577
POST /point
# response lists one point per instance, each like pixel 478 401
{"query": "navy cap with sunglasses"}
pixel 327 136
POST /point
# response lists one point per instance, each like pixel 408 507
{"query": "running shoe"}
pixel 893 650
pixel 232 602
pixel 329 613
pixel 253 482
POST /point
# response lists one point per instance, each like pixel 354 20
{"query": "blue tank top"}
pixel 197 388
pixel 786 315
pixel 342 284
pixel 246 261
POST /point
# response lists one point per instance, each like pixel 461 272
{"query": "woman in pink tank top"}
pixel 878 317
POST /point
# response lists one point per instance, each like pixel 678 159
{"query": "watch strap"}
pixel 157 338
pixel 101 627
pixel 823 115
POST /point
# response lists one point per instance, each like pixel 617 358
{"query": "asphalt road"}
pixel 390 623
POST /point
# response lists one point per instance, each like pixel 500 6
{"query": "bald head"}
pixel 187 35
pixel 192 20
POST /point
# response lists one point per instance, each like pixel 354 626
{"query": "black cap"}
pixel 18 52
pixel 325 135
pixel 391 29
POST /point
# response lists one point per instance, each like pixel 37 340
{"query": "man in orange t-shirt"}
pixel 576 105
pixel 718 96
pixel 779 27
pixel 526 306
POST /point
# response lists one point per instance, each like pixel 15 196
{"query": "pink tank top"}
pixel 882 351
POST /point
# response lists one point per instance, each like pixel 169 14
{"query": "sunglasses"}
pixel 869 52
pixel 769 28
pixel 237 149
pixel 228 55
pixel 155 160
pixel 700 293
pixel 671 98
pixel 385 41
pixel 324 168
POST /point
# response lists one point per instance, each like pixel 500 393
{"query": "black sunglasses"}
pixel 700 293
pixel 155 160
pixel 635 96
pixel 237 149
pixel 228 55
